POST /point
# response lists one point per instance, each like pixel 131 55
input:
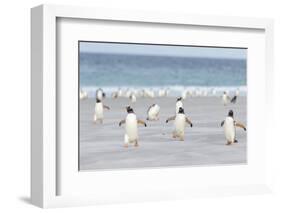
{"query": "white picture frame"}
pixel 45 168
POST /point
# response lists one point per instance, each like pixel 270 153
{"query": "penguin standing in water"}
pixel 225 98
pixel 100 94
pixel 131 127
pixel 180 123
pixel 179 104
pixel 153 112
pixel 98 114
pixel 230 125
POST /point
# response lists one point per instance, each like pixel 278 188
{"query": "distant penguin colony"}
pixel 230 125
pixel 131 127
pixel 180 118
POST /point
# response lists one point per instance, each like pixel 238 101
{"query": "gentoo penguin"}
pixel 234 99
pixel 133 98
pixel 131 127
pixel 184 94
pixel 100 94
pixel 120 92
pixel 237 92
pixel 180 123
pixel 114 94
pixel 179 104
pixel 161 93
pixel 214 92
pixel 153 112
pixel 230 128
pixel 83 95
pixel 98 114
pixel 225 98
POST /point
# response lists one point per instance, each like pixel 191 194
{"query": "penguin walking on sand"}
pixel 131 127
pixel 114 95
pixel 179 104
pixel 230 125
pixel 83 95
pixel 153 112
pixel 98 114
pixel 234 99
pixel 133 98
pixel 180 123
pixel 225 98
pixel 100 94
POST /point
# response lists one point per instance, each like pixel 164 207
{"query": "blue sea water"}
pixel 111 71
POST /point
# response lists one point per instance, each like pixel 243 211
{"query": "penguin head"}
pixel 181 110
pixel 230 113
pixel 224 92
pixel 129 109
pixel 98 100
pixel 179 99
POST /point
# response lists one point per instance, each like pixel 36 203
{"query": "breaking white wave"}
pixel 168 91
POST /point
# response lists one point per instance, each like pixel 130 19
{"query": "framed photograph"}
pixel 130 106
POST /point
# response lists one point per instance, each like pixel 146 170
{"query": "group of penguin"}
pixel 180 120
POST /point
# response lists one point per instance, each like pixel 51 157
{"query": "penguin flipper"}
pixel 188 121
pixel 233 100
pixel 141 122
pixel 106 107
pixel 121 122
pixel 238 124
pixel 171 118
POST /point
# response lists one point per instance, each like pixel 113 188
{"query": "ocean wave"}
pixel 169 90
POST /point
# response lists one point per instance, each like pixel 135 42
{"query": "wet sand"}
pixel 101 145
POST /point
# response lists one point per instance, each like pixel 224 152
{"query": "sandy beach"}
pixel 101 145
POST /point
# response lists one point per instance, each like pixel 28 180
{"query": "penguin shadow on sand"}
pixel 230 125
pixel 131 127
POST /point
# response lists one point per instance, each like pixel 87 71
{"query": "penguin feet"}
pixel 136 144
pixel 126 145
pixel 235 141
pixel 228 143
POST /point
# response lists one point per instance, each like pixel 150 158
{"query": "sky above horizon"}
pixel 163 50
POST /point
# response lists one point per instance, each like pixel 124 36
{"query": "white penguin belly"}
pixel 99 111
pixel 178 105
pixel 153 112
pixel 131 127
pixel 180 124
pixel 224 99
pixel 133 99
pixel 229 129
